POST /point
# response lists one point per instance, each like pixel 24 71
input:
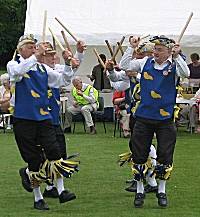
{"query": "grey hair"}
pixel 76 78
pixel 4 77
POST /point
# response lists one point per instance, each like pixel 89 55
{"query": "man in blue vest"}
pixel 154 114
pixel 54 104
pixel 32 123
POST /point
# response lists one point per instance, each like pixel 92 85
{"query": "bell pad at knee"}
pixel 163 172
pixel 139 171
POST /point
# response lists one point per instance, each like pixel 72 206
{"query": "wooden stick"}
pixel 65 40
pixel 44 26
pixel 57 41
pixel 99 58
pixel 14 55
pixel 117 50
pixel 144 36
pixel 109 48
pixel 54 43
pixel 185 27
pixel 120 47
pixel 75 39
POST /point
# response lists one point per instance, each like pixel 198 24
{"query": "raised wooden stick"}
pixel 57 41
pixel 54 43
pixel 120 47
pixel 185 27
pixel 117 50
pixel 75 39
pixel 44 26
pixel 144 36
pixel 65 40
pixel 109 47
pixel 14 55
pixel 99 58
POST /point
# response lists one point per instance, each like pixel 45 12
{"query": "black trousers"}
pixel 60 137
pixel 142 137
pixel 28 134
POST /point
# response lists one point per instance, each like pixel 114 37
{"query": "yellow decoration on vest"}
pixel 26 75
pixel 49 93
pixel 147 76
pixel 155 95
pixel 42 112
pixel 164 113
pixel 34 94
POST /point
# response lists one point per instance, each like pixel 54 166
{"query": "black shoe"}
pixel 148 188
pixel 132 187
pixel 139 200
pixel 66 196
pixel 53 193
pixel 162 199
pixel 41 205
pixel 25 180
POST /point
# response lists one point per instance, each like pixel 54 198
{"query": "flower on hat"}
pixel 25 39
pixel 162 40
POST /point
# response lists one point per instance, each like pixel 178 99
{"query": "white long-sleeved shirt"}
pixel 56 78
pixel 182 69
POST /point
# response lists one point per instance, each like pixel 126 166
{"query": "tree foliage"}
pixel 12 20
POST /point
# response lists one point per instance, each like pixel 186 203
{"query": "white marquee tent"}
pixel 94 21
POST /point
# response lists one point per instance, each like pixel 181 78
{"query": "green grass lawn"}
pixel 100 183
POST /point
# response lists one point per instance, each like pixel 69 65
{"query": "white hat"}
pixel 25 39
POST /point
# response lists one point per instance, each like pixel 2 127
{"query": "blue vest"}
pixel 31 96
pixel 158 92
pixel 54 106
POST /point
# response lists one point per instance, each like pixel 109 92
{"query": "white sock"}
pixel 161 186
pixel 37 194
pixel 151 180
pixel 60 185
pixel 140 187
pixel 49 187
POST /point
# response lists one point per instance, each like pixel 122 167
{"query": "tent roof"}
pixel 94 21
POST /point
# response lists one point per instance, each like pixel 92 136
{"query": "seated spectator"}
pixel 121 112
pixel 190 113
pixel 85 101
pixel 5 96
pixel 194 67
